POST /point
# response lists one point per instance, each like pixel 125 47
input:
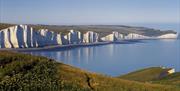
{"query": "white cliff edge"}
pixel 168 36
pixel 23 36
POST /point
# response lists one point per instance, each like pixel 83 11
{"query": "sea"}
pixel 118 59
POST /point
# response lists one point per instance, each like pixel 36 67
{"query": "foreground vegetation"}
pixel 173 79
pixel 22 72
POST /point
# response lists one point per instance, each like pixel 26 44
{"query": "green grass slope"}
pixel 144 75
pixel 172 79
pixel 22 72
pixel 151 75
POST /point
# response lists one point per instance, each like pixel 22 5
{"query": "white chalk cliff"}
pixel 114 36
pixel 90 37
pixel 168 36
pixel 135 36
pixel 74 37
pixel 23 36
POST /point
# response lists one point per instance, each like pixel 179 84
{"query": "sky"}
pixel 79 12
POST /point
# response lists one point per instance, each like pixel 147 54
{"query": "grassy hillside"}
pixel 24 72
pixel 144 75
pixel 31 73
pixel 101 29
pixel 172 79
pixel 151 75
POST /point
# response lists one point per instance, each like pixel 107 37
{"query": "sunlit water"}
pixel 118 59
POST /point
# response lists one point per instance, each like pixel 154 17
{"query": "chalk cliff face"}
pixel 135 36
pixel 74 37
pixel 90 37
pixel 168 36
pixel 22 36
pixel 118 36
pixel 43 37
pixel 114 36
pixel 109 37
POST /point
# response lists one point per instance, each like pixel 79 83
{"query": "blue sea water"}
pixel 118 59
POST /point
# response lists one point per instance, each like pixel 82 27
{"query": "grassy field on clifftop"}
pixel 22 72
pixel 147 74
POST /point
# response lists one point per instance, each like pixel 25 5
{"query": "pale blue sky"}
pixel 89 11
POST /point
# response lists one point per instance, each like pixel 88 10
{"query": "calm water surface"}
pixel 118 59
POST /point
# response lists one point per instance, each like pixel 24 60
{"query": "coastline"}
pixel 63 47
pixel 54 47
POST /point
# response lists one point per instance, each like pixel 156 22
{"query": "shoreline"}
pixel 56 47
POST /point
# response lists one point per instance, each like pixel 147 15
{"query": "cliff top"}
pixel 5 25
pixel 101 29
